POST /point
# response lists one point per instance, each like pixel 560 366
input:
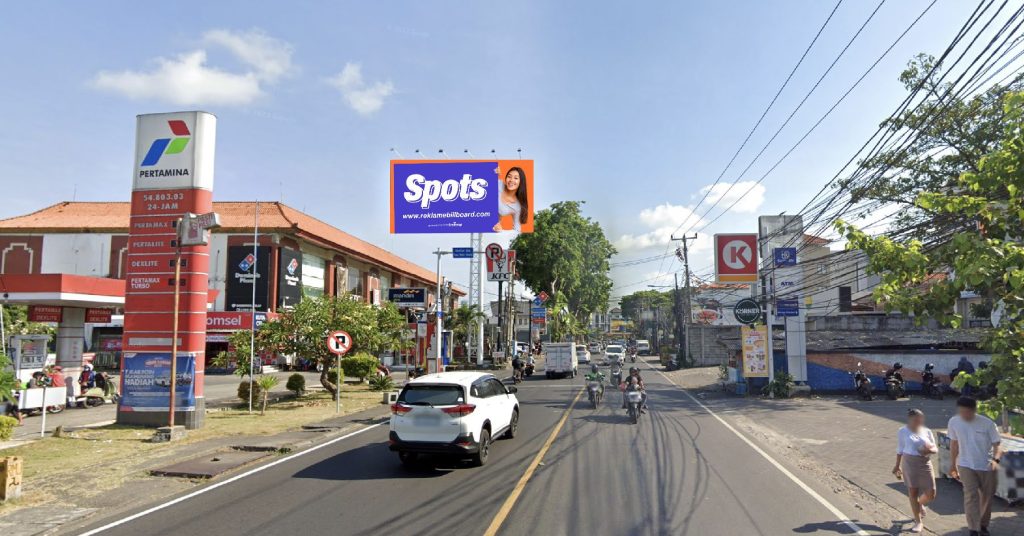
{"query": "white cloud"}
pixel 187 79
pixel 747 203
pixel 363 98
pixel 662 221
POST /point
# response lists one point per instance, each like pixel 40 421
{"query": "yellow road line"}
pixel 506 508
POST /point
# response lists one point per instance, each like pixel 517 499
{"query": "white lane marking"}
pixel 235 478
pixel 843 518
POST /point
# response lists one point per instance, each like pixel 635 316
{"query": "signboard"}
pixel 461 196
pixel 747 311
pixel 28 352
pixel 755 351
pixel 243 269
pixel 538 312
pixel 784 257
pixel 146 382
pixel 233 320
pixel 462 253
pixel 494 251
pixel 408 297
pixel 289 278
pixel 339 342
pixel 501 269
pixel 787 307
pixel 537 302
pixel 736 258
pixel 543 296
pixel 193 230
pixel 97 316
pixel 45 313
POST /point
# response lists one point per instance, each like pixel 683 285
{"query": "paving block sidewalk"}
pixel 853 439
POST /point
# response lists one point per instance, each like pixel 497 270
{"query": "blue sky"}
pixel 633 109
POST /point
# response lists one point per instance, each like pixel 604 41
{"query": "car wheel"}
pixel 408 459
pixel 480 458
pixel 513 425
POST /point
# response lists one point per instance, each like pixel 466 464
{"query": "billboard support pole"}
pixel 438 310
pixel 174 324
pixel 252 308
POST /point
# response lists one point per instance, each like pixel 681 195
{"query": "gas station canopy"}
pixel 63 290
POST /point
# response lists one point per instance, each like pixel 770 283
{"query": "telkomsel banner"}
pixel 461 196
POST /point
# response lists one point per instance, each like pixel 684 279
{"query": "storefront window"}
pixel 355 281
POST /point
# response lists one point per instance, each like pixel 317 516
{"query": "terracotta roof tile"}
pixel 236 216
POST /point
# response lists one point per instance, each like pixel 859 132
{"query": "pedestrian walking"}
pixel 974 459
pixel 915 446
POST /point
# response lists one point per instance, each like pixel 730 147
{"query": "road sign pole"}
pixel 341 380
pixel 174 328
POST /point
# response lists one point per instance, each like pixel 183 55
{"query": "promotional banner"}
pixel 146 382
pixel 408 297
pixel 461 196
pixel 755 351
pixel 243 267
pixel 289 278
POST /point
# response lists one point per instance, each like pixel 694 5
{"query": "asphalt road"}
pixel 679 471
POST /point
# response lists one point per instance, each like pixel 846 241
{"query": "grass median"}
pixel 89 462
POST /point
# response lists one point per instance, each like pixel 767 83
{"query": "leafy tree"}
pixel 632 304
pixel 303 330
pixel 951 135
pixel 566 256
pixel 238 353
pixel 986 256
pixel 8 382
pixel 16 322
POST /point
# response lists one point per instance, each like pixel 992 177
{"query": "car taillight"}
pixel 400 409
pixel 461 410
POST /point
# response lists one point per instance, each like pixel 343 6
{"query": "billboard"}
pixel 244 267
pixel 408 297
pixel 461 196
pixel 289 282
pixel 755 351
pixel 736 258
pixel 146 382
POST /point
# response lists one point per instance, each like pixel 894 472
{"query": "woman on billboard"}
pixel 513 200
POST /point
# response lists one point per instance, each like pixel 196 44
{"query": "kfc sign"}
pixel 736 258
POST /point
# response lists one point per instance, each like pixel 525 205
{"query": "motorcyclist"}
pixel 634 377
pixel 517 368
pixel 616 372
pixel 87 380
pixel 595 375
pixel 892 372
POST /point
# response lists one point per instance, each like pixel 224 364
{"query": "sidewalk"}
pixel 850 444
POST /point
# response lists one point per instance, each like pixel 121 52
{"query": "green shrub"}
pixel 296 384
pixel 381 383
pixel 780 387
pixel 7 425
pixel 243 392
pixel 265 383
pixel 359 366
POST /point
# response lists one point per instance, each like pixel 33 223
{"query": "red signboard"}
pixel 45 313
pixel 736 258
pixel 97 316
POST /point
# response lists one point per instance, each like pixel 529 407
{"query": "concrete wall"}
pixel 833 371
pixel 707 343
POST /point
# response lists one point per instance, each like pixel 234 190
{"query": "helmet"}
pixel 929 366
pixel 897 365
pixel 634 369
pixel 593 368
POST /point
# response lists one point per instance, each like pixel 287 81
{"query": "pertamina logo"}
pixel 167 146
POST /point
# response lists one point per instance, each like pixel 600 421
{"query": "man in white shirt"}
pixel 975 452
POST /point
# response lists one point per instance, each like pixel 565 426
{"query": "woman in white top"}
pixel 513 200
pixel 914 465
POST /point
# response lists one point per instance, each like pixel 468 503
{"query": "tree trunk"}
pixel 326 382
pixel 263 408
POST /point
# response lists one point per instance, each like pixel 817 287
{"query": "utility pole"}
pixel 684 256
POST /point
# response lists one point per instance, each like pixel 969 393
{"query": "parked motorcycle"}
pixel 633 401
pixel 862 384
pixel 930 385
pixel 895 387
pixel 595 392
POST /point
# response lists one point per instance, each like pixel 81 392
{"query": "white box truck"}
pixel 560 360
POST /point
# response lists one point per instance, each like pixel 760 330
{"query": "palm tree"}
pixel 463 318
pixel 266 383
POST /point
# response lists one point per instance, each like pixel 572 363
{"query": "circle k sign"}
pixel 736 258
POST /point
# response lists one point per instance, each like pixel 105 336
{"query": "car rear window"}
pixel 614 349
pixel 580 348
pixel 433 395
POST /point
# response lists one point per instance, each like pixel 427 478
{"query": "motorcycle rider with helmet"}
pixel 595 375
pixel 634 377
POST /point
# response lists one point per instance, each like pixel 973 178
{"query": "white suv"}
pixel 455 413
